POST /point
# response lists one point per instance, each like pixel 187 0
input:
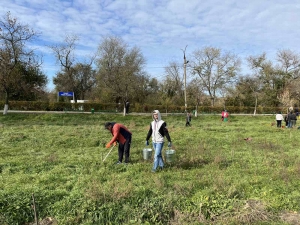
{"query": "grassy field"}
pixel 245 171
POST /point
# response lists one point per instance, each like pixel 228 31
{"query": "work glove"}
pixel 147 143
pixel 109 145
pixel 169 144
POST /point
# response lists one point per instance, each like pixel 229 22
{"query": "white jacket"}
pixel 158 129
pixel 279 116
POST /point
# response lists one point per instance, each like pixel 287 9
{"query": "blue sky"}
pixel 161 28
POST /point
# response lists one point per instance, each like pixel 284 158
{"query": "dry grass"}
pixel 187 218
pixel 292 218
pixel 46 221
pixel 253 211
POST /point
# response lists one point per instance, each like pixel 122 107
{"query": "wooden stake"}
pixel 35 212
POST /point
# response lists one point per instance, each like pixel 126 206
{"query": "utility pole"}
pixel 184 74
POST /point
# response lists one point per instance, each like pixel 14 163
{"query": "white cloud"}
pixel 162 28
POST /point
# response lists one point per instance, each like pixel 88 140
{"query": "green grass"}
pixel 217 176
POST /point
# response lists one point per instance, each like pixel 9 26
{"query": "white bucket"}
pixel 170 155
pixel 147 153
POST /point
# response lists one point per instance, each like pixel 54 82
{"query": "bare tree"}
pixel 76 77
pixel 195 93
pixel 289 63
pixel 173 83
pixel 289 66
pixel 274 78
pixel 214 69
pixel 254 85
pixel 119 67
pixel 83 80
pixel 246 92
pixel 64 55
pixel 17 62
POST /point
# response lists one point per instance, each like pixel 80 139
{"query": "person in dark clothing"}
pixel 121 135
pixel 297 111
pixel 158 130
pixel 293 119
pixel 286 121
pixel 289 119
pixel 127 104
pixel 188 119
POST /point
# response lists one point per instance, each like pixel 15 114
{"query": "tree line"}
pixel 116 73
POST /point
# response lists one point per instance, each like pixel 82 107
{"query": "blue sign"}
pixel 66 94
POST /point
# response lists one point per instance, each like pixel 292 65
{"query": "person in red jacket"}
pixel 225 116
pixel 122 135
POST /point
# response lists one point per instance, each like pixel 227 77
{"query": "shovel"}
pixel 108 153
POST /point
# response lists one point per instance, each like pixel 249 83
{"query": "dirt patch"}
pixel 292 218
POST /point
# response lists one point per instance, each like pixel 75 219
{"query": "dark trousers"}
pixel 124 149
pixel 188 120
pixel 278 123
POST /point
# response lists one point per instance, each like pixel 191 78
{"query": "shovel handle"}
pixel 108 153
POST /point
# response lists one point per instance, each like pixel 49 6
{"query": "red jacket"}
pixel 225 114
pixel 120 133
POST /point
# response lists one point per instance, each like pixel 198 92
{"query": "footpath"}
pixel 121 113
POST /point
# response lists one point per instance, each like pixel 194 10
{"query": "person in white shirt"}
pixel 279 119
pixel 158 130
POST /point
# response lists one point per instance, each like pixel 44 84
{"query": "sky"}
pixel 162 29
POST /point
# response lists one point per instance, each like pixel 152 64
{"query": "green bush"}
pixel 139 108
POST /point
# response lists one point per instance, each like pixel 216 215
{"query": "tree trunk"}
pixel 6 104
pixel 212 101
pixel 5 109
pixel 255 106
pixel 124 111
pixel 196 111
pixel 75 97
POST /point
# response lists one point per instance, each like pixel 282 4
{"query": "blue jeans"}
pixel 158 160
